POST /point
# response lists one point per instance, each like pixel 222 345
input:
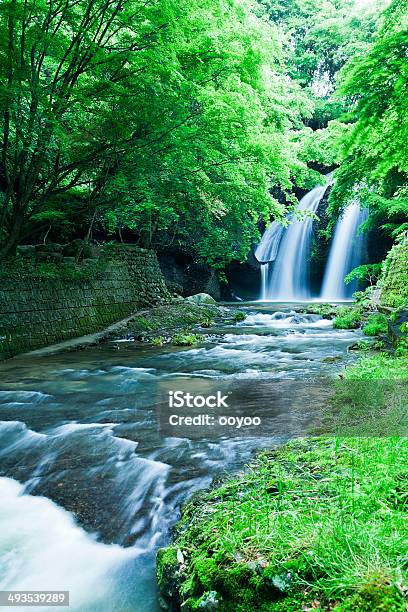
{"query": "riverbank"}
pixel 319 524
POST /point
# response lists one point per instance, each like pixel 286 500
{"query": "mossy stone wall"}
pixel 394 281
pixel 36 312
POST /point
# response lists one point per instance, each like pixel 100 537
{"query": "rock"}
pixel 333 359
pixel 209 602
pixel 26 249
pixel 49 257
pixel 49 247
pixel 78 247
pixel 200 298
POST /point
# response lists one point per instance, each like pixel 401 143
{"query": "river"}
pixel 90 484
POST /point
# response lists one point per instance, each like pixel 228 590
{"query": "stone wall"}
pixel 394 281
pixel 37 311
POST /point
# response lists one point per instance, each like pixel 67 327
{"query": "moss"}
pixel 377 593
pixel 177 322
pixel 326 311
pixel 29 268
pixel 167 571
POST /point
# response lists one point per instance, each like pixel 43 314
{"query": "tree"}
pixel 162 116
pixel 375 158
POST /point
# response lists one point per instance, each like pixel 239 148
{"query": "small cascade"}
pixel 289 249
pixel 345 254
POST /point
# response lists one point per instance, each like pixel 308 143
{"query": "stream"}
pixel 90 480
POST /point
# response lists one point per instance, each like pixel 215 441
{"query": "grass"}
pixel 319 524
pixel 380 366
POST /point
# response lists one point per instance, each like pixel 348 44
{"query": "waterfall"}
pixel 345 254
pixel 289 249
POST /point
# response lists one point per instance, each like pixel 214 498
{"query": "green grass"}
pixel 380 366
pixel 318 524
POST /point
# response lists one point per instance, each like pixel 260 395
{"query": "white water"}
pixel 41 547
pixel 345 254
pixel 289 249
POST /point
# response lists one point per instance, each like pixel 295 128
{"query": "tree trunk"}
pixel 9 247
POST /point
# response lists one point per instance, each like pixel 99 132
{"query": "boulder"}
pixel 200 299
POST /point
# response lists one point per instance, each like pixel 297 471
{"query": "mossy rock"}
pixel 200 299
pixel 168 574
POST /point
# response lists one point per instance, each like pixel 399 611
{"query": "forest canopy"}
pixel 188 123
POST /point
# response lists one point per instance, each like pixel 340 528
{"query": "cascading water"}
pixel 345 254
pixel 289 250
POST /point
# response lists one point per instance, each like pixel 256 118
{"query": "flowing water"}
pixel 90 484
pixel 285 253
pixel 345 254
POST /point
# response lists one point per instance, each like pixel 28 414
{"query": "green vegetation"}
pixel 318 524
pixel 374 162
pixel 173 123
pixel 187 339
pixel 175 323
pixel 376 325
pixel 348 318
pixel 379 367
pixel 394 281
pixel 23 267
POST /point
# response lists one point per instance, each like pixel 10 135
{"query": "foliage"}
pixel 366 272
pixel 166 119
pixel 376 325
pixel 187 339
pixel 318 524
pixel 375 160
pixel 25 267
pixel 348 318
pixel 394 278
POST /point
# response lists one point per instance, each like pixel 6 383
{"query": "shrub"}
pixel 347 318
pixel 376 325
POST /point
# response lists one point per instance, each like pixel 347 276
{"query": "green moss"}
pixel 377 593
pixel 327 311
pixel 27 267
pixel 167 571
pixel 240 316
